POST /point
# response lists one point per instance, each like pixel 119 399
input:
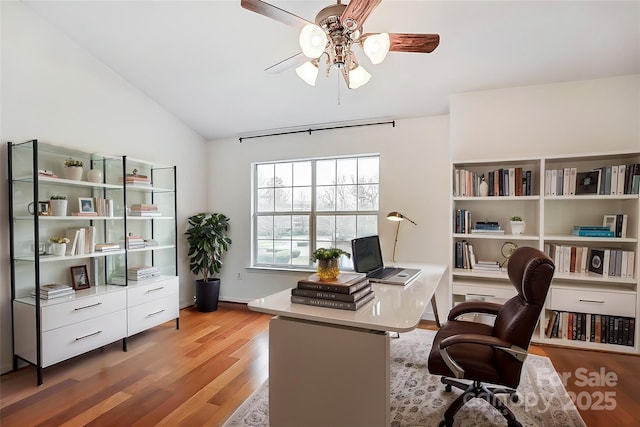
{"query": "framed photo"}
pixel 80 277
pixel 610 221
pixel 44 208
pixel 86 205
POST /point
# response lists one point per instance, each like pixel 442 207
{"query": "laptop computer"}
pixel 367 258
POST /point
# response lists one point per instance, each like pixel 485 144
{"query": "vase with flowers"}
pixel 58 245
pixel 328 262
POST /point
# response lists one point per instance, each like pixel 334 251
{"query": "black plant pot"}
pixel 207 293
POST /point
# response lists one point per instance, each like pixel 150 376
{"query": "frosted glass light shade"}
pixel 308 72
pixel 312 41
pixel 376 47
pixel 358 77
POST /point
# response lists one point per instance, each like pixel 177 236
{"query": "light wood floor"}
pixel 200 374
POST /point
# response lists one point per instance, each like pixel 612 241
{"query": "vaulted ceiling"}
pixel 204 61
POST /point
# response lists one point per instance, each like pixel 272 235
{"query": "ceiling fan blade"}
pixel 425 43
pixel 357 12
pixel 292 61
pixel 273 12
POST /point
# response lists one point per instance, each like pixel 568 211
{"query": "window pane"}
pixel 264 175
pixel 302 199
pixel 301 174
pixel 265 252
pixel 345 228
pixel 347 197
pixel 300 227
pixel 326 198
pixel 368 196
pixel 265 200
pixel 282 226
pixel 347 171
pixel 283 199
pixel 368 170
pixel 367 225
pixel 264 227
pixel 325 230
pixel 325 172
pixel 283 175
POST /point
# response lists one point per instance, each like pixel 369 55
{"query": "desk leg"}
pixel 321 375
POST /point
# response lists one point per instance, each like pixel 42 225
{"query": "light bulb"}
pixel 308 72
pixel 357 77
pixel 312 41
pixel 376 47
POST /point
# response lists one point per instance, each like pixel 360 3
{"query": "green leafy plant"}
pixel 515 218
pixel 73 162
pixel 58 240
pixel 331 253
pixel 208 241
pixel 58 197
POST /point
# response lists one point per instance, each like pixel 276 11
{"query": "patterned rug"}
pixel 419 399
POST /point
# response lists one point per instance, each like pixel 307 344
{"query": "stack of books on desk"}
pixel 349 291
pixel 54 290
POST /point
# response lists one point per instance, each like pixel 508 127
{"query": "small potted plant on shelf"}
pixel 73 169
pixel 208 241
pixel 328 262
pixel 517 224
pixel 58 205
pixel 58 245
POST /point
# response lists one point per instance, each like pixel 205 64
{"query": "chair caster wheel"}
pixel 447 388
pixel 514 397
pixel 445 423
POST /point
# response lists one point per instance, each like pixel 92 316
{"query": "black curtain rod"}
pixel 392 123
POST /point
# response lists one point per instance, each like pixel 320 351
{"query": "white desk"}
pixel 330 367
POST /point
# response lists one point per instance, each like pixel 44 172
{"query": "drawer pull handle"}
pixel 87 336
pixel 481 295
pixel 155 313
pixel 88 306
pixel 591 300
pixel 156 289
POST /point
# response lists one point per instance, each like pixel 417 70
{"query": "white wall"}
pixel 590 116
pixel 414 164
pixel 54 91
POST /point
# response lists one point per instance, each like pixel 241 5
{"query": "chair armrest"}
pixel 474 307
pixel 497 343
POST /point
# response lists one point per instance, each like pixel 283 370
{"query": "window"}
pixel 302 205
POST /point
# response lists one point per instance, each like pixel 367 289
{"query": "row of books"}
pixel 501 182
pixel 584 260
pixel 144 209
pixel 81 240
pixel 103 207
pixel 463 224
pixel 53 290
pixel 606 180
pixel 466 258
pixel 349 291
pixel 598 328
pixel 135 179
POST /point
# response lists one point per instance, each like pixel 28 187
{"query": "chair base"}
pixel 478 389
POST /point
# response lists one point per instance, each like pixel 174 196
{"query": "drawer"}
pixel 79 309
pixel 497 294
pixel 596 302
pixel 63 343
pixel 153 313
pixel 141 294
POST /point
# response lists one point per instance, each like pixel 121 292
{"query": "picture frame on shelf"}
pixel 80 277
pixel 85 204
pixel 44 208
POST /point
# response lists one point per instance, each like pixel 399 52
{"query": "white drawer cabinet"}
pixel 151 304
pixel 78 310
pixel 596 302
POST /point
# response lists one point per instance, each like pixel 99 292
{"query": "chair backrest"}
pixel 530 272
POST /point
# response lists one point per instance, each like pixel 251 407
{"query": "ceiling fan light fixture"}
pixel 376 47
pixel 358 77
pixel 308 72
pixel 313 40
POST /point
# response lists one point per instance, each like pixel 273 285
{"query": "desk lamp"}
pixel 398 217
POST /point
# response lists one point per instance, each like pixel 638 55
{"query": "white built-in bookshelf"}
pixel 594 294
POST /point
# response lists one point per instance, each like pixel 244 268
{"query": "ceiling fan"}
pixel 337 28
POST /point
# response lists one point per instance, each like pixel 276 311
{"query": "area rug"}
pixel 419 399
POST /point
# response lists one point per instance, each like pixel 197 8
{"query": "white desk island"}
pixel 330 367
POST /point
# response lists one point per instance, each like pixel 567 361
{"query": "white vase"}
pixel 58 249
pixel 58 207
pixel 94 175
pixel 484 189
pixel 73 172
pixel 517 227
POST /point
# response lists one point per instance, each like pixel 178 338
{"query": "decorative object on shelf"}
pixel 328 262
pixel 73 169
pixel 80 277
pixel 208 241
pixel 58 245
pixel 508 248
pixel 94 175
pixel 484 187
pixel 85 204
pixel 517 225
pixel 396 216
pixel 58 205
pixel 44 208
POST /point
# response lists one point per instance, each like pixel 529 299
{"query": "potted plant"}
pixel 58 245
pixel 73 169
pixel 328 262
pixel 58 205
pixel 208 241
pixel 517 224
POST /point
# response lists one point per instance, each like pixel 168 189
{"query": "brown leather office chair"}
pixel 493 354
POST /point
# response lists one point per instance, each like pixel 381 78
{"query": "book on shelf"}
pixel 53 290
pixel 343 305
pixel 107 247
pixel 486 231
pixel 592 231
pixel 487 265
pixel 84 213
pixel 333 296
pixel 345 283
pixel 591 327
pixel 144 213
pixel 144 207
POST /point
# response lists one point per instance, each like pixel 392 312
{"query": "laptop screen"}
pixel 367 255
